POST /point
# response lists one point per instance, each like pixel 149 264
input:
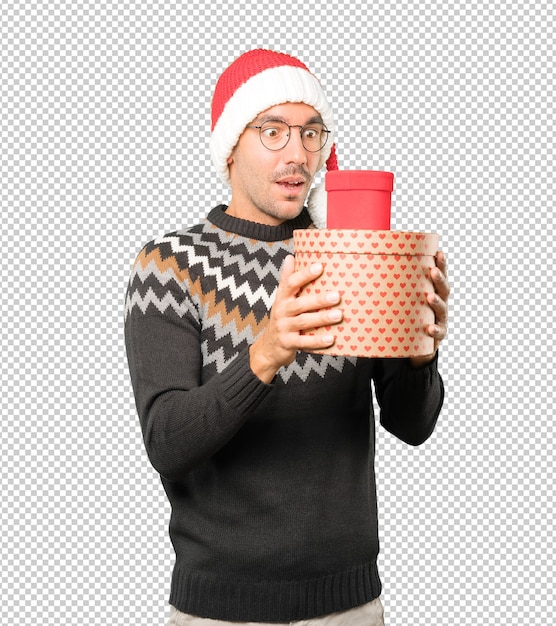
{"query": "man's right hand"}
pixel 290 314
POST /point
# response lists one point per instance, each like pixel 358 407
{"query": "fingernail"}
pixel 335 315
pixel 316 268
pixel 332 296
pixel 328 339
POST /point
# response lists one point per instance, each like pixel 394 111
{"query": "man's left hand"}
pixel 438 301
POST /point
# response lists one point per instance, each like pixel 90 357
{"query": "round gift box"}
pixel 359 199
pixel 383 278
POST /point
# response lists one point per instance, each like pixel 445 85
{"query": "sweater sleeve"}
pixel 409 398
pixel 184 419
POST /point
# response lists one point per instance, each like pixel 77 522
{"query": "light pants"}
pixel 371 614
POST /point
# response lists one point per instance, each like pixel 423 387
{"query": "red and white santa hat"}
pixel 255 81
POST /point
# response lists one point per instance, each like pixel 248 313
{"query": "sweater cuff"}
pixel 421 377
pixel 242 389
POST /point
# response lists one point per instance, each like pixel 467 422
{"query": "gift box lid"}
pixel 355 241
pixel 349 180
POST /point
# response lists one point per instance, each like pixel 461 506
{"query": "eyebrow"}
pixel 276 118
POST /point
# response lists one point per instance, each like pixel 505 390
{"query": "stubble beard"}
pixel 290 212
pixel 278 205
pixel 276 210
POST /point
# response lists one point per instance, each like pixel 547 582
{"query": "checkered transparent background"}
pixel 104 130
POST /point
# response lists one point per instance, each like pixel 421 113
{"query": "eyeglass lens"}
pixel 275 135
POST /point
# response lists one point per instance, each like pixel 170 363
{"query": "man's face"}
pixel 270 187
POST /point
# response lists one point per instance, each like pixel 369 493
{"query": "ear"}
pixel 230 159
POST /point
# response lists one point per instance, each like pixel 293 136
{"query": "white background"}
pixel 105 120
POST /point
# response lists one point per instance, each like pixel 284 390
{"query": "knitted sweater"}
pixel 272 487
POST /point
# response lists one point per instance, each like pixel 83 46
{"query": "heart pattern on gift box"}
pixel 383 279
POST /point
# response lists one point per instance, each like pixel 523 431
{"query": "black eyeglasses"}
pixel 274 135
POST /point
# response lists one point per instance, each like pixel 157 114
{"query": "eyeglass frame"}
pixel 290 126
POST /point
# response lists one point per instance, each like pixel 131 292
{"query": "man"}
pixel 265 450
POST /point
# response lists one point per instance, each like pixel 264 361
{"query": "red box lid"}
pixel 346 180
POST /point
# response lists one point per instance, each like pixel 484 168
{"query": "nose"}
pixel 294 151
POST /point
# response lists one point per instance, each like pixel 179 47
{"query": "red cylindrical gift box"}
pixel 359 199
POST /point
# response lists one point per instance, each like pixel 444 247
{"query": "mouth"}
pixel 291 183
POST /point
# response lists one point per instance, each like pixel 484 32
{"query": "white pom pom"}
pixel 316 205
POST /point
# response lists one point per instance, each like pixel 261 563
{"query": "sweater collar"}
pixel 253 230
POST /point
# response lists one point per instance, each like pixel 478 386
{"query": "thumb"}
pixel 288 267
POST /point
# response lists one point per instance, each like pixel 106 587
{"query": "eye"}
pixel 273 131
pixel 269 132
pixel 311 132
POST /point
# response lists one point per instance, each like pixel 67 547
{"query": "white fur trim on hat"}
pixel 317 203
pixel 266 89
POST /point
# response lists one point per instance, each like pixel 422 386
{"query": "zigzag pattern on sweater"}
pixel 222 283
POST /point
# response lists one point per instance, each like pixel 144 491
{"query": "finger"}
pixel 307 303
pixel 292 281
pixel 438 301
pixel 441 262
pixel 316 342
pixel 441 285
pixel 323 318
pixel 437 331
pixel 440 308
pixel 288 268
